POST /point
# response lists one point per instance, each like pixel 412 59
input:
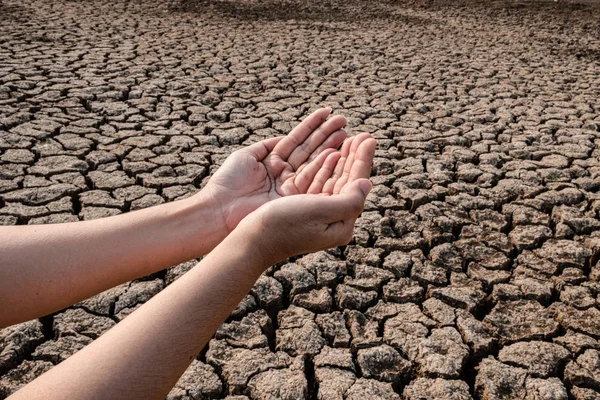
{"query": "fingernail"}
pixel 329 109
pixel 365 186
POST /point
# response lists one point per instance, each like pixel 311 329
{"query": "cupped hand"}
pixel 277 167
pixel 315 221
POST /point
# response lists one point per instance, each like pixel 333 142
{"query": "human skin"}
pixel 45 268
pixel 143 356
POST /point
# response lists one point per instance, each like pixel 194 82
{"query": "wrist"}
pixel 257 234
pixel 201 219
pixel 248 240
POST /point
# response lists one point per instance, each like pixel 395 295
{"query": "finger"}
pixel 345 150
pixel 304 179
pixel 261 149
pixel 299 134
pixel 337 172
pixel 332 142
pixel 339 184
pixel 330 184
pixel 302 152
pixel 324 173
pixel 363 161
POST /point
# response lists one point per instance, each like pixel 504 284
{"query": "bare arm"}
pixel 48 267
pixel 59 265
pixel 144 355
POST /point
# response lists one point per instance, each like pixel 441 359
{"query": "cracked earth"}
pixel 473 272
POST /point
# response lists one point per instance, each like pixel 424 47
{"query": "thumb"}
pixel 363 185
pixel 350 202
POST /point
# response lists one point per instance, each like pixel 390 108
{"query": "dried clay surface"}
pixel 473 272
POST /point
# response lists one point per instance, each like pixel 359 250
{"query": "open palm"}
pixel 304 162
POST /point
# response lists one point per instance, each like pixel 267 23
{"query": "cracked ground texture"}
pixel 473 272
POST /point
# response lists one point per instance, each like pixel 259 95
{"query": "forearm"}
pixel 144 355
pixel 48 267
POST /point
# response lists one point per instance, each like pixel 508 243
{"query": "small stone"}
pixel 334 329
pixel 268 292
pixel 364 331
pixel 383 363
pixel 541 359
pixel 368 278
pixel 58 164
pixel 570 276
pixel 499 381
pixel 404 290
pixel 428 273
pixel 149 200
pixel 110 180
pixel 100 198
pixel 90 213
pixel 584 321
pixel 244 333
pixel 325 267
pixel 574 219
pixel 584 393
pixel 317 300
pixel 17 341
pixel 564 253
pixel 239 365
pixel 489 277
pixel 398 263
pixel 383 310
pixel 448 256
pixel 577 296
pixel 306 339
pixel 529 236
pixel 540 290
pixel 563 231
pixel 18 156
pixel 279 384
pixel 442 313
pixel 333 383
pixel 26 372
pixel 474 334
pixel 104 302
pixel 361 255
pixel 77 321
pixel 199 381
pixel 371 389
pixel 465 297
pixel 437 389
pixel 229 137
pixel 520 320
pixel 294 317
pixel 295 278
pixel 474 250
pixel 576 342
pixel 489 219
pixel 335 358
pixel 56 351
pixel 348 297
pixel 42 195
pixel 442 354
pixel 545 389
pixel 532 261
pixel 585 370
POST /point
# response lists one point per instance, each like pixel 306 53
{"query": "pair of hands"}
pixel 297 193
